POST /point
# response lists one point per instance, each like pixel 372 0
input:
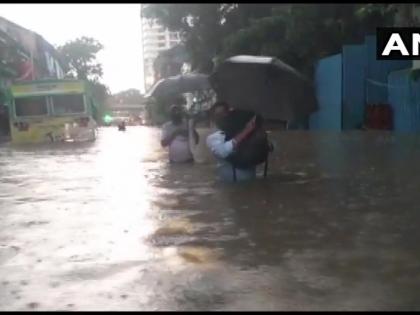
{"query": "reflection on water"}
pixel 110 225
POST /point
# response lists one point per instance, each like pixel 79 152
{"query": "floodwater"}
pixel 110 225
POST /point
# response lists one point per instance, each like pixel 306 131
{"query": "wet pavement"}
pixel 110 225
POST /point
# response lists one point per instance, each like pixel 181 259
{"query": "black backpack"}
pixel 254 150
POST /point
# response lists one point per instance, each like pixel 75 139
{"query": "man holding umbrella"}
pixel 175 136
pixel 222 148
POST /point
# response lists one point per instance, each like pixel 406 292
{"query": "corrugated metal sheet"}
pixel 346 82
pixel 328 82
pixel 378 71
pixel 404 97
pixel 354 74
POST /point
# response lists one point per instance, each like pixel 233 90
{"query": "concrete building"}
pixel 40 60
pixel 155 39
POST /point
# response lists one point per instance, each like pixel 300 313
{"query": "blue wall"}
pixel 328 82
pixel 404 97
pixel 378 71
pixel 354 74
pixel 346 82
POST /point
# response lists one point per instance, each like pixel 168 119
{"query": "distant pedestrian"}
pixel 175 136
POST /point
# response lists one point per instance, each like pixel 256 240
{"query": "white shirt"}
pixel 218 146
pixel 179 149
pixel 222 149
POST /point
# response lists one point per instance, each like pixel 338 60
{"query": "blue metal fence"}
pixel 377 72
pixel 346 82
pixel 404 97
pixel 328 82
pixel 354 74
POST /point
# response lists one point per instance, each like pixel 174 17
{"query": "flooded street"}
pixel 110 225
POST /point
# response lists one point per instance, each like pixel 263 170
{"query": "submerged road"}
pixel 110 225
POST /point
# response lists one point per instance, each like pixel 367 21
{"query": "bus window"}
pixel 31 106
pixel 68 104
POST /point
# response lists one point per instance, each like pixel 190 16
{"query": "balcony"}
pixel 149 34
pixel 153 41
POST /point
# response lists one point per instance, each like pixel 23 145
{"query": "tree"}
pixel 303 34
pixel 204 26
pixel 101 94
pixel 80 60
pixel 80 57
pixel 299 34
pixel 130 96
pixel 198 24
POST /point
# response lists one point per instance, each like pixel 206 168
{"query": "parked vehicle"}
pixel 52 111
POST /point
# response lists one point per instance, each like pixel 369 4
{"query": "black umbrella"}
pixel 176 85
pixel 265 85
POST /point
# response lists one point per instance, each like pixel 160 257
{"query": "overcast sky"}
pixel 116 26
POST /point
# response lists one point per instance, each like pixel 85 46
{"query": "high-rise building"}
pixel 155 39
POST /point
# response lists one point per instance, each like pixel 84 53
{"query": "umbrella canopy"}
pixel 176 85
pixel 265 85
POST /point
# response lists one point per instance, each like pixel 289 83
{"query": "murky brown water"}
pixel 111 226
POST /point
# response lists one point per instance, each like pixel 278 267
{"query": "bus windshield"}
pixel 68 104
pixel 31 106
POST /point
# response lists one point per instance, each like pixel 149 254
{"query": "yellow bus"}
pixel 52 111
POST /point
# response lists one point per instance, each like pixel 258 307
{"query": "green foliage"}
pixel 199 24
pixel 100 91
pixel 299 34
pixel 130 96
pixel 101 94
pixel 80 57
pixel 304 33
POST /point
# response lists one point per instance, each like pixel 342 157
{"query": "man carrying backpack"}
pixel 239 142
